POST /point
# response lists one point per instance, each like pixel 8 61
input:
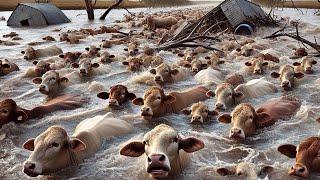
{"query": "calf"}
pixel 85 67
pixel 195 65
pixel 165 74
pixel 132 48
pixel 165 152
pixel 105 57
pixel 41 67
pixel 306 155
pixel 48 38
pixel 134 64
pixel 155 103
pixel 199 113
pixel 6 67
pixel 287 76
pixel 300 52
pixel 30 53
pixel 245 120
pixel 50 83
pixel 70 57
pixel 256 66
pixel 91 52
pixel 305 65
pixel 54 150
pixel 159 22
pixel 11 112
pixel 117 95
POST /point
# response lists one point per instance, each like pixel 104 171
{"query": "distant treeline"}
pixel 152 3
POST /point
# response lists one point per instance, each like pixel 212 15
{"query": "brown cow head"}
pixel 134 64
pixel 244 120
pixel 85 67
pixel 162 147
pixel 117 96
pixel 287 76
pixel 257 65
pixel 9 111
pixel 70 56
pixel 199 112
pixel 29 53
pixel 225 95
pixel 41 67
pixel 163 74
pixel 307 156
pixel 50 151
pixel 50 82
pixel 153 102
pixel 306 64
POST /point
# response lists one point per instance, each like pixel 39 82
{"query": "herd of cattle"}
pixel 164 150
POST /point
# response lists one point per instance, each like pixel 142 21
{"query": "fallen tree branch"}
pixel 128 11
pixel 104 15
pixel 296 36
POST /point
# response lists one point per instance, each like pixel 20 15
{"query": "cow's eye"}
pixel 146 143
pixel 250 117
pixel 4 111
pixel 205 110
pixel 230 94
pixel 54 144
pixel 159 97
pixel 53 79
pixel 175 140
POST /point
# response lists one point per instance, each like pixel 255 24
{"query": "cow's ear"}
pixel 126 63
pixel 21 115
pixel 5 65
pixel 126 49
pixel 131 96
pixel 213 113
pixel 288 150
pixel 296 64
pixel 75 65
pixel 64 80
pixel 37 80
pixel 103 95
pixel 23 52
pixel 29 144
pixel 265 170
pixel 190 145
pixel 207 58
pixel 314 62
pixel 298 75
pixel 210 94
pixel 87 49
pixel 174 71
pixel 263 120
pixel 265 63
pixel 35 62
pixel 169 99
pixel 225 118
pixel 153 71
pixel 186 111
pixel 95 65
pixel 275 75
pixel 76 145
pixel 137 101
pixel 133 149
pixel 61 56
pixel 248 63
pixel 238 94
pixel 226 171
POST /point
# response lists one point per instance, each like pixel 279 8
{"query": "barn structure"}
pixel 36 15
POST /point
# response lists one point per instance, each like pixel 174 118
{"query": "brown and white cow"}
pixel 11 112
pixel 117 95
pixel 300 52
pixel 132 48
pixel 166 152
pixel 54 149
pixel 165 74
pixel 70 57
pixel 245 120
pixel 256 66
pixel 91 52
pixel 305 65
pixel 156 104
pixel 106 57
pixel 200 113
pixel 287 76
pixel 40 68
pixel 196 65
pixel 307 155
pixel 160 22
pixel 6 67
pixel 31 54
pixel 134 64
pixel 86 67
pixel 48 38
pixel 51 83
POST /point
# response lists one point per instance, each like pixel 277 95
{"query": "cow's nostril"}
pixel 32 166
pixel 147 109
pixel 162 158
pixel 149 159
pixel 301 170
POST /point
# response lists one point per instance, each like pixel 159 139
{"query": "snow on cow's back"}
pixel 256 88
pixel 104 126
pixel 209 77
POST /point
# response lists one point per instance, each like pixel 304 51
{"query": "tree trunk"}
pixel 104 15
pixel 90 9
